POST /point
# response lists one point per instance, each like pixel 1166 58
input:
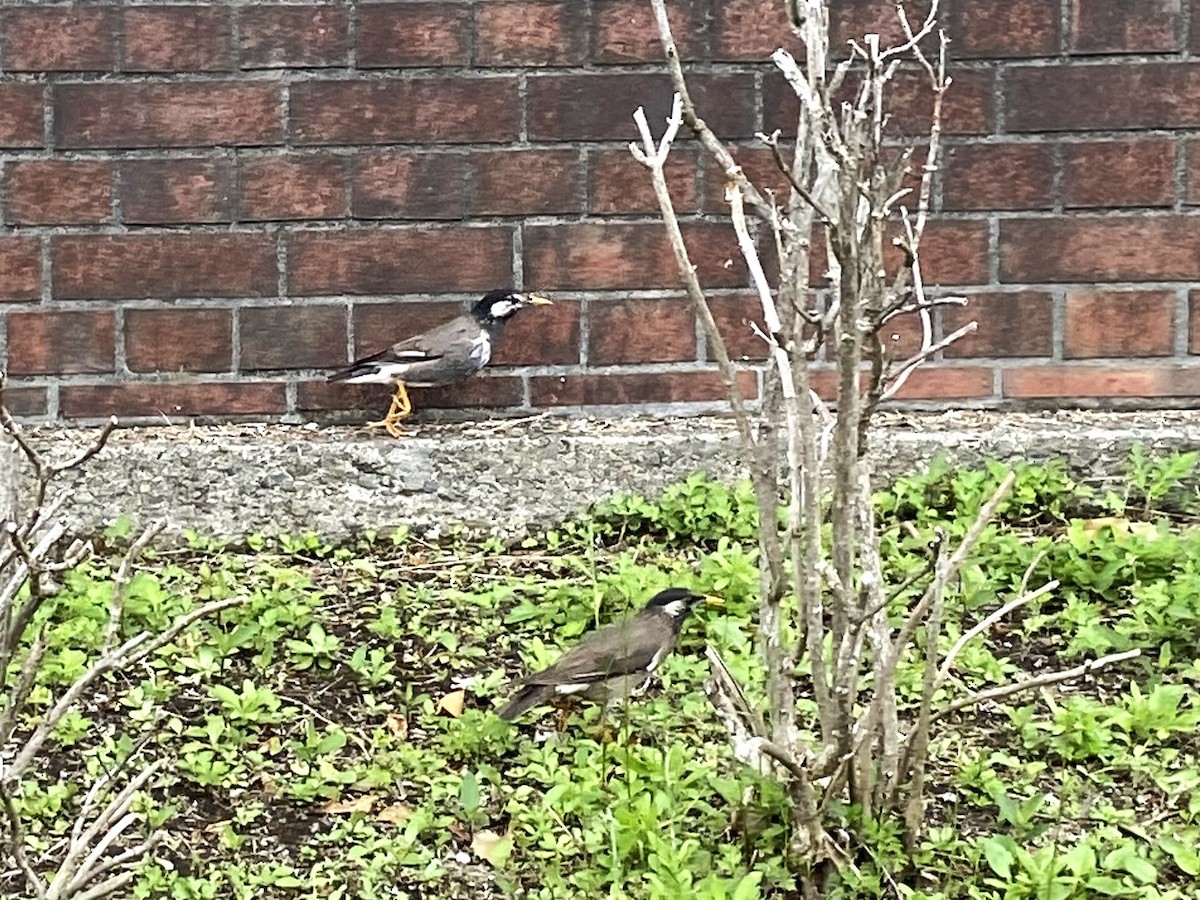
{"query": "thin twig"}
pixel 1037 681
pixel 116 602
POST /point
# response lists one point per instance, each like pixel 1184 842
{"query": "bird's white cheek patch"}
pixel 675 608
pixel 571 688
pixel 502 308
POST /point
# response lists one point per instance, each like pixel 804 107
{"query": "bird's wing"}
pixel 449 339
pixel 619 649
pixel 452 337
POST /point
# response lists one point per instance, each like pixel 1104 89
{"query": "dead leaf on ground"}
pixel 397 725
pixel 394 814
pixel 363 803
pixel 452 703
pixel 460 831
pixel 493 847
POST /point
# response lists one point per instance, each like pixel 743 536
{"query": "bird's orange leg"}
pixel 400 410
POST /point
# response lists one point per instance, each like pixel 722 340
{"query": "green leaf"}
pixel 1125 858
pixel 468 792
pixel 747 888
pixel 998 856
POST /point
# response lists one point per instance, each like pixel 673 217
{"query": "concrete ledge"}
pixel 510 474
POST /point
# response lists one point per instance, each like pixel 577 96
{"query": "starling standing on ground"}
pixel 611 662
pixel 443 355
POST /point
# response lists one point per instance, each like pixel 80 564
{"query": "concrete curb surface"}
pixel 506 476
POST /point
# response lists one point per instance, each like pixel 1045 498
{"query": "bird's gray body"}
pixel 446 354
pixel 609 664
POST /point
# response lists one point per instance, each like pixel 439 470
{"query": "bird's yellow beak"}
pixel 710 600
pixel 538 300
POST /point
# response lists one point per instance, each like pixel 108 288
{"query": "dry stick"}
pixel 1037 681
pixel 116 602
pixel 1019 600
pixel 127 654
pixel 16 838
pixel 653 158
pixel 778 662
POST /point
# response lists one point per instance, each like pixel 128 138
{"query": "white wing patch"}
pixel 385 374
pixel 481 350
pixel 572 688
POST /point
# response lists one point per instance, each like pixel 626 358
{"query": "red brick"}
pixel 163 266
pixel 1003 28
pixel 472 110
pixel 409 185
pixel 177 39
pixel 621 185
pixel 24 401
pixel 952 252
pixel 60 343
pixel 302 187
pixel 21 118
pixel 1120 323
pixel 58 192
pixel 1126 26
pixel 968 108
pixel 1162 248
pixel 641 331
pixel 1079 381
pixel 399 261
pixel 530 33
pixel 179 340
pixel 703 386
pixel 379 325
pixel 1103 97
pixel 568 107
pixel 274 36
pixel 608 256
pixel 292 337
pixel 405 34
pixel 759 165
pixel 1192 193
pixel 1120 173
pixel 217 400
pixel 734 315
pixel 541 336
pixel 73 38
pixel 20 268
pixel 503 186
pixel 480 392
pixel 999 176
pixel 900 337
pixel 752 30
pixel 933 382
pixel 166 115
pixel 169 191
pixel 852 19
pixel 1020 324
pixel 1194 322
pixel 624 31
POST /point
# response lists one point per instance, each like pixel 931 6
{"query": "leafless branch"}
pixel 116 602
pixel 1047 678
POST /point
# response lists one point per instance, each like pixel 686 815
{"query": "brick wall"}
pixel 206 206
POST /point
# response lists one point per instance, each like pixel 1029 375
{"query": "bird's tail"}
pixel 527 697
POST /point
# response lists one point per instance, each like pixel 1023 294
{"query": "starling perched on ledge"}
pixel 614 661
pixel 443 355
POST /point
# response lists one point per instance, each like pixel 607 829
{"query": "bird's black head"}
pixel 677 602
pixel 498 306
